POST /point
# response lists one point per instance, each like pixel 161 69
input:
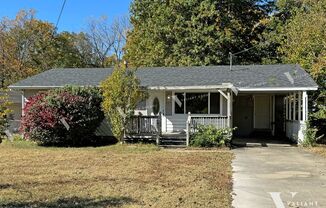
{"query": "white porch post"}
pixel 294 106
pixel 302 124
pixel 273 116
pixel 188 129
pixel 286 107
pixel 299 106
pixel 229 108
pixel 304 106
pixel 23 101
pixel 221 104
pixel 222 94
pixel 290 105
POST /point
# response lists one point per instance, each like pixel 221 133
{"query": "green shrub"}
pixel 210 136
pixel 63 117
pixel 17 138
pixel 310 138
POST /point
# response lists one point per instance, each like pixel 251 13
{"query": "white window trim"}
pixel 185 102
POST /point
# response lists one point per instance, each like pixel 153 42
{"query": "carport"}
pixel 277 113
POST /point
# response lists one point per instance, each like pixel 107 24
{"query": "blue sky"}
pixel 76 12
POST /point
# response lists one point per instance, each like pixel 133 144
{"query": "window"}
pixel 197 103
pixel 179 103
pixel 141 105
pixel 156 106
pixel 215 103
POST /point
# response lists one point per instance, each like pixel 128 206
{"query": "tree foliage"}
pixel 296 34
pixel 305 41
pixel 4 111
pixel 199 32
pixel 121 93
pixel 298 31
pixel 29 46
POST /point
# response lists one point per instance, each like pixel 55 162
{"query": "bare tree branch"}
pixel 107 39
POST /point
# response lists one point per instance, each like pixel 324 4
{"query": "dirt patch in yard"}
pixel 320 150
pixel 115 176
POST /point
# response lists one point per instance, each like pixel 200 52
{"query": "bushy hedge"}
pixel 310 136
pixel 210 136
pixel 63 117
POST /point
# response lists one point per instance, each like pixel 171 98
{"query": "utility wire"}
pixel 52 35
pixel 56 27
pixel 60 14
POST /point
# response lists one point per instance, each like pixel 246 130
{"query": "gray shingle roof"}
pixel 244 76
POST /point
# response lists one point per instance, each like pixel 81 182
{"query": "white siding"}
pixel 29 93
pixel 152 94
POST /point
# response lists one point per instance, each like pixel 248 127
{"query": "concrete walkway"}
pixel 278 176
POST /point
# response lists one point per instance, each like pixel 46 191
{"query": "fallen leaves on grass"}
pixel 114 176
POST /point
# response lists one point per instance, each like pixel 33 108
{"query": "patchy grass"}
pixel 113 176
pixel 320 149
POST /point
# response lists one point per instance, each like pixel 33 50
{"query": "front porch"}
pixel 149 129
pixel 171 116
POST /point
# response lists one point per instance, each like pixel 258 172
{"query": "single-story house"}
pixel 268 99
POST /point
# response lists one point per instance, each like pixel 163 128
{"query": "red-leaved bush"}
pixel 64 117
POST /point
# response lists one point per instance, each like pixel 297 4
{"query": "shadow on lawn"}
pixel 74 202
pixel 5 186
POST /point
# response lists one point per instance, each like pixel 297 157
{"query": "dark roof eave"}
pixel 262 89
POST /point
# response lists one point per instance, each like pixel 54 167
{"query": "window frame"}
pixel 198 91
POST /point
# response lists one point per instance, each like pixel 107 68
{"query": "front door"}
pixel 243 115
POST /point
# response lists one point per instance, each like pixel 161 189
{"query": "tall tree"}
pixel 273 35
pixel 20 42
pixel 121 93
pixel 107 39
pixel 297 34
pixel 198 32
pixel 29 46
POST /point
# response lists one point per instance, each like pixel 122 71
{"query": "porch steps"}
pixel 173 146
pixel 173 141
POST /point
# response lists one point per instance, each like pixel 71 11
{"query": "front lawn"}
pixel 113 176
pixel 320 150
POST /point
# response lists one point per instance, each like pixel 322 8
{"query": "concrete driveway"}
pixel 278 176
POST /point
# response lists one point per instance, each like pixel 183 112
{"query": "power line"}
pixel 60 14
pixel 231 55
pixel 56 26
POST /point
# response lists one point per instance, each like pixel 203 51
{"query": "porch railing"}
pixel 144 126
pixel 194 121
